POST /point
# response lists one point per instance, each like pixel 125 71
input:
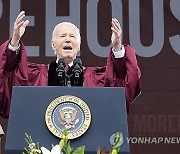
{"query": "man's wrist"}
pixel 14 48
pixel 119 48
pixel 14 41
pixel 14 45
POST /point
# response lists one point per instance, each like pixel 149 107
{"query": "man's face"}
pixel 65 42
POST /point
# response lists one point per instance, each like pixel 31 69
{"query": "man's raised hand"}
pixel 19 28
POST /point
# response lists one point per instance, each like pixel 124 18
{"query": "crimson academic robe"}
pixel 15 70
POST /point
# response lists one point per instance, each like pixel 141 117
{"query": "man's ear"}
pixel 79 47
pixel 53 46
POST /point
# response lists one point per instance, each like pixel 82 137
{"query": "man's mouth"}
pixel 67 48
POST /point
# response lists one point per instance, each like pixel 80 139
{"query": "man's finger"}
pixel 20 14
pixel 25 23
pixel 20 24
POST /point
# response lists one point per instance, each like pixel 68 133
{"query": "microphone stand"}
pixel 78 72
pixel 68 79
pixel 75 75
pixel 61 72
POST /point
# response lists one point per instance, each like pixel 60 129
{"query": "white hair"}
pixel 78 36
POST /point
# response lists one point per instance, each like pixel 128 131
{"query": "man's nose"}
pixel 68 39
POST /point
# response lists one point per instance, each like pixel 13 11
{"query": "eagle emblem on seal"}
pixel 68 117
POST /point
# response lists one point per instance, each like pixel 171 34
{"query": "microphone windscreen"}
pixel 61 61
pixel 77 61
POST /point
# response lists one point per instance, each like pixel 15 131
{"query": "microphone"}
pixel 61 71
pixel 77 72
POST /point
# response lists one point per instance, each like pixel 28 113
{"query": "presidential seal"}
pixel 68 112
